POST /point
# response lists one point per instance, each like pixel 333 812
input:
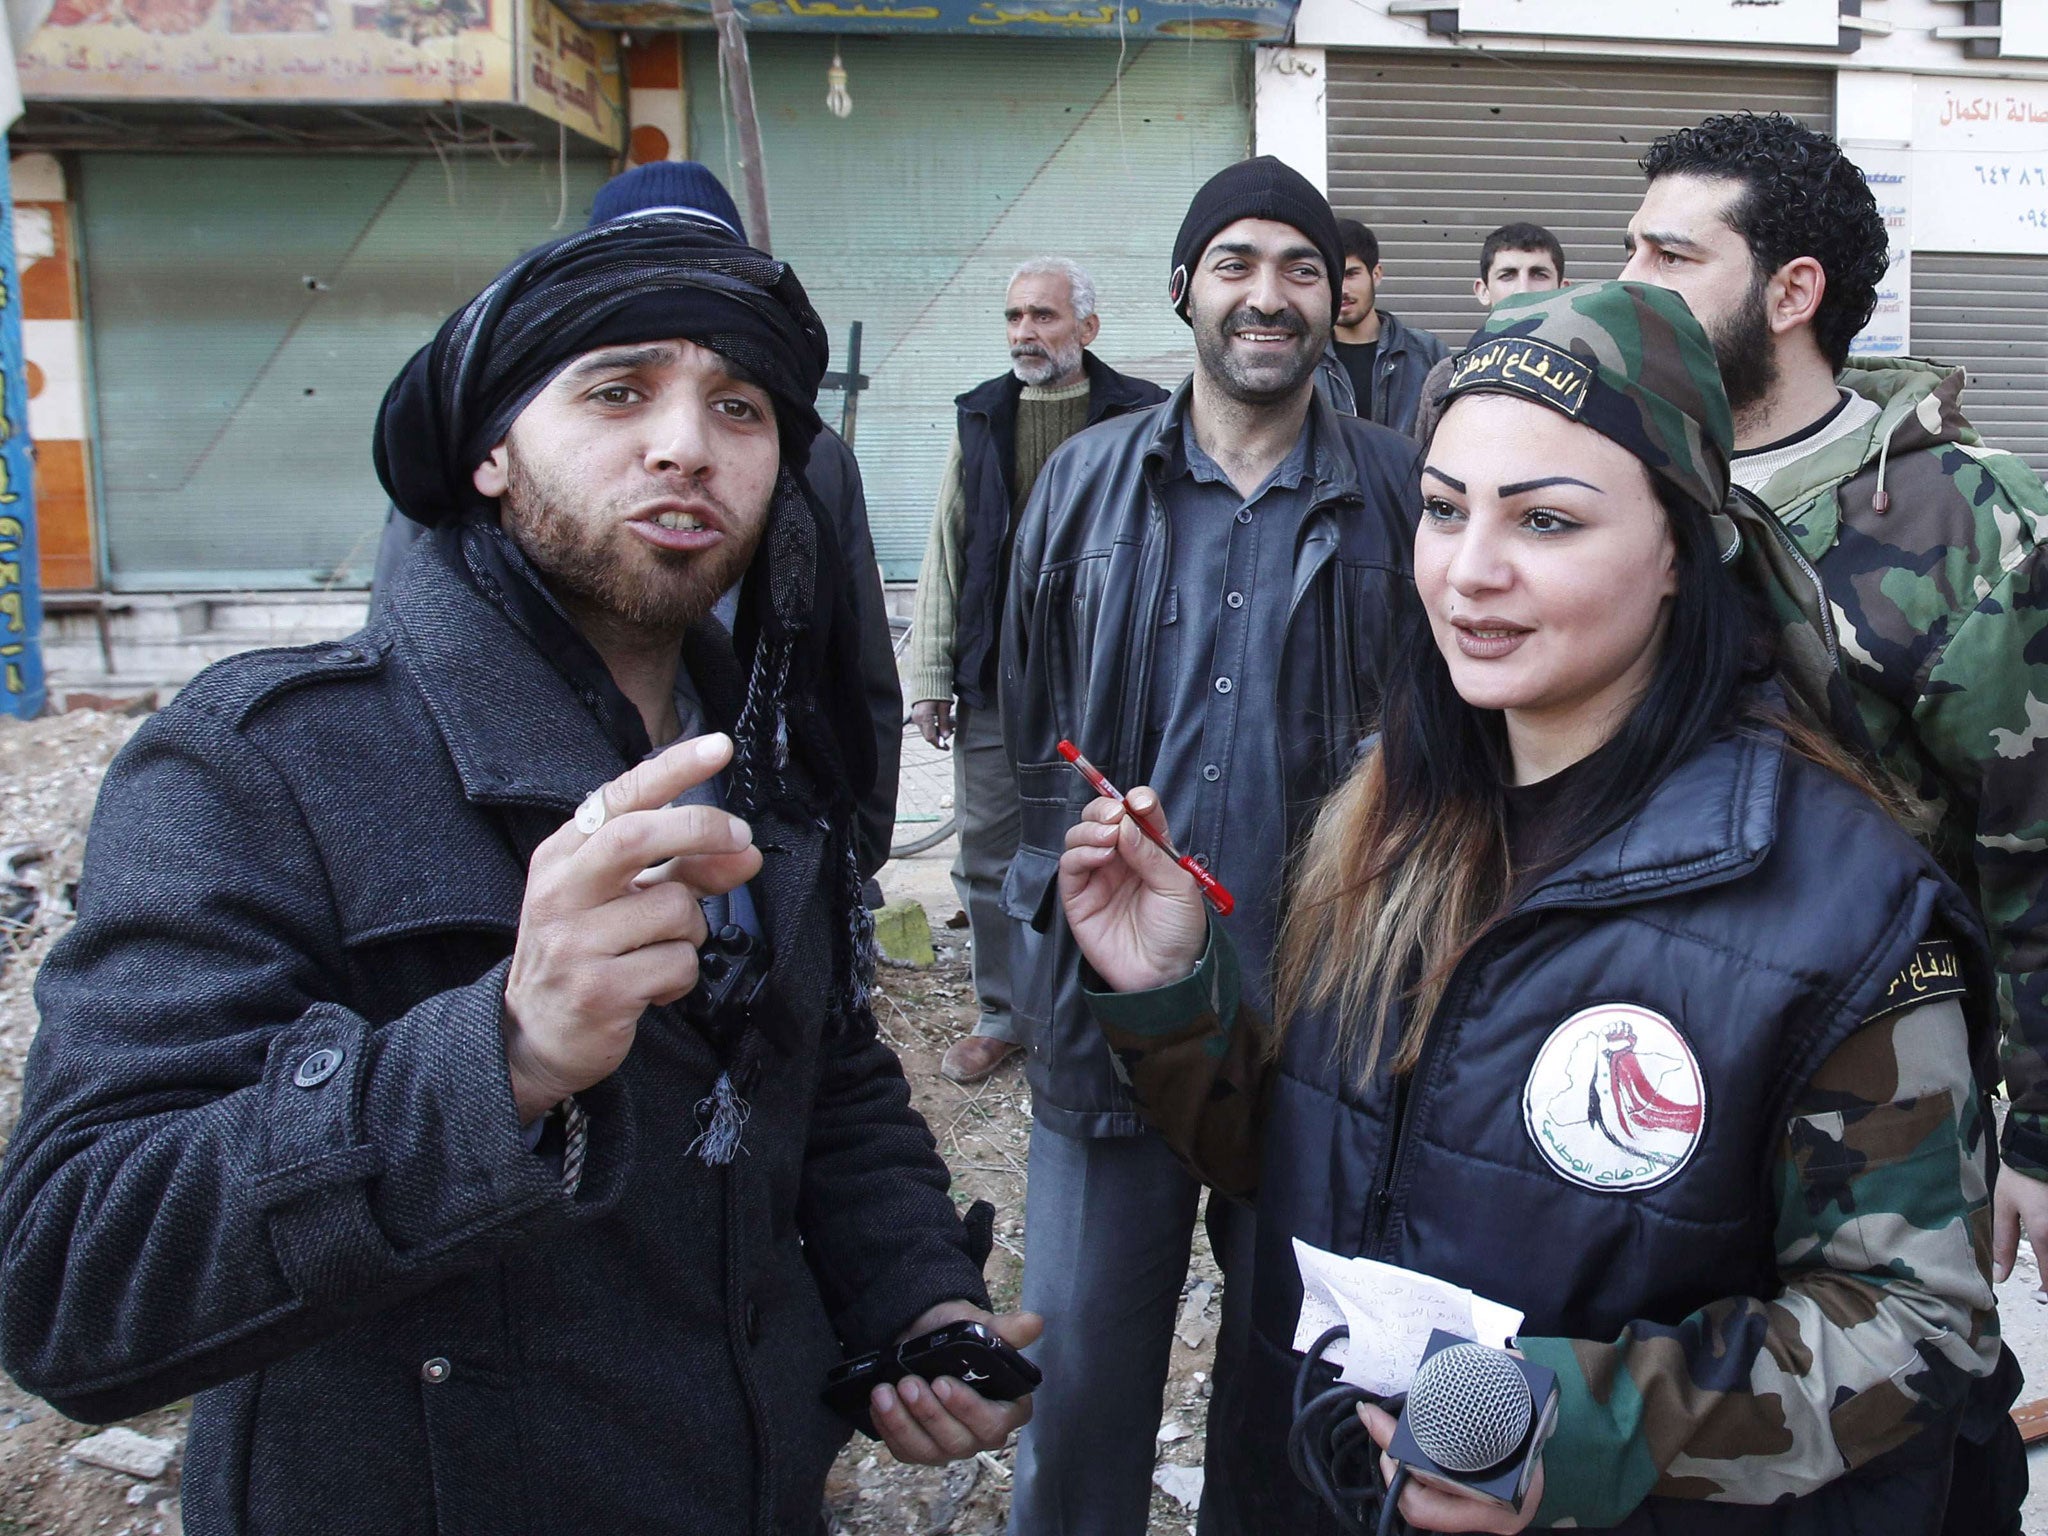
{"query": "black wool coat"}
pixel 393 1317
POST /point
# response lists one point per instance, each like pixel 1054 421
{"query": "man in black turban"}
pixel 832 475
pixel 460 1074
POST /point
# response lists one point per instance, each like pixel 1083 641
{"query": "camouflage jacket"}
pixel 1941 603
pixel 1884 1307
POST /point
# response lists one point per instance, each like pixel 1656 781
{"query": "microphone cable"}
pixel 1333 1454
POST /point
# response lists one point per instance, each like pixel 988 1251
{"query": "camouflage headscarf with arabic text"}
pixel 1631 362
pixel 1626 359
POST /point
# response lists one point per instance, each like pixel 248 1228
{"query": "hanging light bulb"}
pixel 837 102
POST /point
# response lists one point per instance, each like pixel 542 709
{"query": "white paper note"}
pixel 1390 1312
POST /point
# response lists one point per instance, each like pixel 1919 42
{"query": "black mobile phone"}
pixel 969 1352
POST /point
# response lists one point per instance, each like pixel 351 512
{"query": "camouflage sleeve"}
pixel 1982 716
pixel 1943 618
pixel 1885 1316
pixel 1192 1056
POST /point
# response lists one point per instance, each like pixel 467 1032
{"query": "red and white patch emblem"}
pixel 1615 1099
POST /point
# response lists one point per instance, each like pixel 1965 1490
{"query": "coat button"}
pixel 346 656
pixel 1235 599
pixel 752 1319
pixel 1224 685
pixel 318 1067
pixel 436 1371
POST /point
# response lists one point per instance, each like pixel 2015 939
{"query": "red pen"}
pixel 1212 888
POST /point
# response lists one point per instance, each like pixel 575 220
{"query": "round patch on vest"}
pixel 1615 1099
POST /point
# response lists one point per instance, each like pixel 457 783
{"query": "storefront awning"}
pixel 1250 21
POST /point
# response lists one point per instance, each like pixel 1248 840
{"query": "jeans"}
pixel 1108 1224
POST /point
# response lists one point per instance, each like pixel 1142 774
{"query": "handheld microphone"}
pixel 1476 1420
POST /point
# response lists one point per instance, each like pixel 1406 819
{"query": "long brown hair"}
pixel 1407 866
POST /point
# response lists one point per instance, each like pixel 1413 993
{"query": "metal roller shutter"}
pixel 1990 314
pixel 1433 154
pixel 247 313
pixel 963 157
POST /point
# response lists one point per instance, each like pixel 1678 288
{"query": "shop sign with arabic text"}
pixel 510 52
pixel 1980 165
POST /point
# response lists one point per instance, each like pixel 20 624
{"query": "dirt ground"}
pixel 49 772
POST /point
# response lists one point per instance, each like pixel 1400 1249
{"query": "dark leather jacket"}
pixel 1087 582
pixel 988 453
pixel 1406 355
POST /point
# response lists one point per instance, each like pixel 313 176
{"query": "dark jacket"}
pixel 1086 594
pixel 1436 387
pixel 1405 357
pixel 1333 383
pixel 1754 913
pixel 833 475
pixel 988 454
pixel 393 1317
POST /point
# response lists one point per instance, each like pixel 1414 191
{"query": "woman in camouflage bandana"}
pixel 1610 988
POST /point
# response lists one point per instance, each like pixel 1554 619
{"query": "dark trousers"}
pixel 985 801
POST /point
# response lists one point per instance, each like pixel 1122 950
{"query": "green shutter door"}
pixel 246 314
pixel 963 157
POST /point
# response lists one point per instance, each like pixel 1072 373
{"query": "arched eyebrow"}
pixel 1519 487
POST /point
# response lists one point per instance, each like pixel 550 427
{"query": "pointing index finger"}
pixel 660 779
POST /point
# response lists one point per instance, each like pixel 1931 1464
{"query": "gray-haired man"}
pixel 1007 428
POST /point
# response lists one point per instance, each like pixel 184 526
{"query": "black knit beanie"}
pixel 1263 188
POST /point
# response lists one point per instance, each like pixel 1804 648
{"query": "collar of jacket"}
pixel 1108 391
pixel 1394 336
pixel 1919 406
pixel 1334 476
pixel 514 727
pixel 1713 819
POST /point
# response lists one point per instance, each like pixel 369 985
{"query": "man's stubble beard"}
pixel 604 575
pixel 1742 347
pixel 1224 369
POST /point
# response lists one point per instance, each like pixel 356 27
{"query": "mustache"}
pixel 1029 349
pixel 1249 317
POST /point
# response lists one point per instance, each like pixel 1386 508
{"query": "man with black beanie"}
pixel 461 1074
pixel 1203 597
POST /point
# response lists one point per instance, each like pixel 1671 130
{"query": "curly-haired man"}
pixel 1928 542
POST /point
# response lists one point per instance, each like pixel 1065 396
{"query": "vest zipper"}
pixel 1394 1160
pixel 1383 1193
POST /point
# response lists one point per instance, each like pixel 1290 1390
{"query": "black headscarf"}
pixel 656 277
pixel 650 278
